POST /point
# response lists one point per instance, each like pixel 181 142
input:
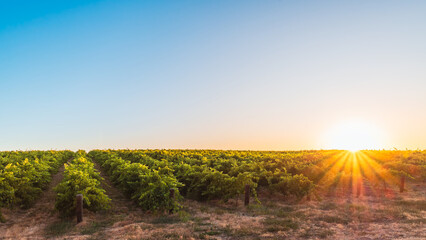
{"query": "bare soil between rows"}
pixel 30 223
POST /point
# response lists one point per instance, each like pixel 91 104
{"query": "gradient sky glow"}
pixel 260 75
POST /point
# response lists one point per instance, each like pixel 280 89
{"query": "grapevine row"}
pixel 81 177
pixel 23 175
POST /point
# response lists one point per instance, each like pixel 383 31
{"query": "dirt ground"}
pixel 30 223
pixel 383 215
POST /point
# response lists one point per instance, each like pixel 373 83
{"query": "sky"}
pixel 255 75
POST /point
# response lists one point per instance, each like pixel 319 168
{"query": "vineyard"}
pixel 24 175
pixel 178 185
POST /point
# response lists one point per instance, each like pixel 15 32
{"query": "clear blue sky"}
pixel 209 74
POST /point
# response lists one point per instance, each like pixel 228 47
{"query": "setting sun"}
pixel 355 136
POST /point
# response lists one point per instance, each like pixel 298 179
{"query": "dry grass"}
pixel 401 217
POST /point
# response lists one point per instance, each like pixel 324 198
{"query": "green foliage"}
pixel 23 175
pixel 205 174
pixel 403 163
pixel 297 185
pixel 150 188
pixel 80 177
pixel 147 176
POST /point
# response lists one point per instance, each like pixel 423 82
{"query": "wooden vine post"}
pixel 401 187
pixel 247 195
pixel 79 207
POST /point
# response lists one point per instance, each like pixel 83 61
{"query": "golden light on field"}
pixel 357 174
pixel 354 136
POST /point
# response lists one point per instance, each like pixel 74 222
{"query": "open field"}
pixel 227 120
pixel 340 201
